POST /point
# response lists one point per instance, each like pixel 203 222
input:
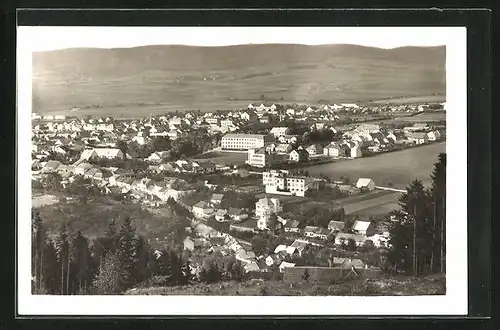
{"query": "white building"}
pixel 278 131
pixel 267 206
pixel 365 183
pixel 261 158
pixel 245 141
pixel 350 105
pixel 280 182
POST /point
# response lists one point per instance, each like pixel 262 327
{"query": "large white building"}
pixel 281 182
pixel 261 158
pixel 245 141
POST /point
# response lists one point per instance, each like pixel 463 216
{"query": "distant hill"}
pixel 187 77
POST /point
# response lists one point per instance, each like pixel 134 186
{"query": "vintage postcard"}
pixel 242 170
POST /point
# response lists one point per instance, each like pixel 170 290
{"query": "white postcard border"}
pixel 453 303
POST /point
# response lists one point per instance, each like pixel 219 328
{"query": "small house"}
pixel 365 183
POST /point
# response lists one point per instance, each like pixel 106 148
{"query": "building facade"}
pixel 281 182
pixel 245 141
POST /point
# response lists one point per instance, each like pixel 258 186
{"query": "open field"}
pixel 399 168
pixel 219 157
pixel 381 286
pixel 420 118
pixel 157 79
pixel 377 202
pixel 414 99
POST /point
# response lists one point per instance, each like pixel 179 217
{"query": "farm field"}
pixel 423 117
pixel 220 157
pixel 413 99
pixel 377 202
pixel 398 168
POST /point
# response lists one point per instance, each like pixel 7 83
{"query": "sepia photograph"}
pixel 231 162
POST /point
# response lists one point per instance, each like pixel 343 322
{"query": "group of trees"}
pixel 191 144
pixel 418 240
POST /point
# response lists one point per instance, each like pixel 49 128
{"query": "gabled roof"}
pixel 363 182
pixel 202 204
pixel 217 196
pixel 336 225
pixel 279 248
pixel 234 211
pixel 361 225
pixel 311 229
pixel 292 224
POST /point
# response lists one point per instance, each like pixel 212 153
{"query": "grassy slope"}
pixel 388 286
pixel 159 78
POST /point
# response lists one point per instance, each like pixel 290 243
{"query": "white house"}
pixel 355 152
pixel 363 227
pixel 433 136
pixel 202 209
pixel 278 131
pixel 365 183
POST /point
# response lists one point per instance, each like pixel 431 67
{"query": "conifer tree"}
pixel 62 252
pixel 110 278
pixel 127 251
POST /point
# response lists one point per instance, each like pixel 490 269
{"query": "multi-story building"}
pixel 261 158
pixel 245 141
pixel 267 206
pixel 264 208
pixel 281 182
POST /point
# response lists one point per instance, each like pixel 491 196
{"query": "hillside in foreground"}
pixel 163 78
pixel 382 286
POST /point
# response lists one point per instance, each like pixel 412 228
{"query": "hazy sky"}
pixel 50 38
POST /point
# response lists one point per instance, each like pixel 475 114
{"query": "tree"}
pixel 351 244
pixel 127 251
pixel 438 193
pixel 210 273
pixel 160 143
pixel 368 246
pixel 62 252
pixel 38 238
pixel 110 278
pixel 412 231
pixel 306 275
pixel 80 258
pixel 122 145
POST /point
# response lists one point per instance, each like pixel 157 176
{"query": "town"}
pixel 245 180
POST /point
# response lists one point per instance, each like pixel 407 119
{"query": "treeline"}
pixel 418 230
pixel 70 263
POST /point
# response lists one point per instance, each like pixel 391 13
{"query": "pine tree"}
pixel 62 252
pixel 127 251
pixel 109 279
pixel 51 269
pixel 38 245
pixel 81 260
pixel 438 192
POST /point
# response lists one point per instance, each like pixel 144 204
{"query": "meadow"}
pixel 158 79
pixel 220 157
pixel 398 168
pixel 380 286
